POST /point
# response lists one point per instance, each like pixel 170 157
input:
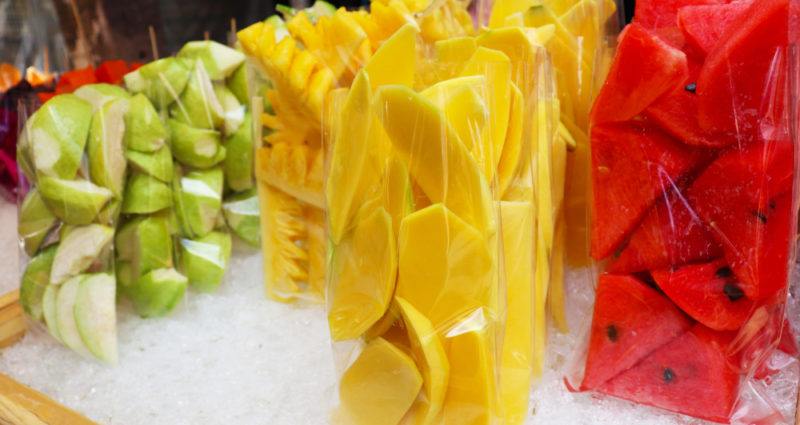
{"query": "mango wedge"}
pixel 395 61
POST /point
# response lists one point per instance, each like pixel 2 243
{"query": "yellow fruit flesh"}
pixel 395 61
pixel 429 354
pixel 281 227
pixel 363 273
pixel 380 386
pixel 463 102
pixel 512 149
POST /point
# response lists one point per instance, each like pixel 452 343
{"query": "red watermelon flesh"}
pixel 745 198
pixel 632 164
pixel 644 68
pixel 630 321
pixel 661 16
pixel 691 375
pixel 670 235
pixel 703 25
pixel 709 293
pixel 742 79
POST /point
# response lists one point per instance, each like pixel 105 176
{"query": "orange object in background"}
pixel 37 78
pixel 9 76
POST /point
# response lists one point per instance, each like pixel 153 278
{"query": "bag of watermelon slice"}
pixel 694 212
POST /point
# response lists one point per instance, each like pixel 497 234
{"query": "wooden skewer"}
pixel 206 35
pixel 153 42
pixel 12 319
pixel 232 35
pixel 46 60
pixel 20 405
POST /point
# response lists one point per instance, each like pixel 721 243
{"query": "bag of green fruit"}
pixel 133 192
pixel 694 213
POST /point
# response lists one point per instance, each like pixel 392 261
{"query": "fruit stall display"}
pixel 693 157
pixel 132 191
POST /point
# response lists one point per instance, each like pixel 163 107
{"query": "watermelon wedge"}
pixel 670 235
pixel 709 293
pixel 704 25
pixel 744 197
pixel 691 375
pixel 632 164
pixel 630 321
pixel 661 17
pixel 742 79
pixel 644 68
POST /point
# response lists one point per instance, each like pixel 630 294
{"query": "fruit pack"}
pixel 132 191
pixel 693 147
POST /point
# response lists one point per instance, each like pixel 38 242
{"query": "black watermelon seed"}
pixel 691 87
pixel 612 333
pixel 669 375
pixel 724 272
pixel 772 205
pixel 760 216
pixel 733 291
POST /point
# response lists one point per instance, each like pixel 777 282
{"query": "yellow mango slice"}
pixel 395 61
pixel 445 266
pixel 496 67
pixel 380 386
pixel 555 297
pixel 516 359
pixel 512 148
pixel 441 165
pixel 452 54
pixel 362 274
pixel 464 105
pixel 428 351
pixel 504 8
pixel 520 45
pixel 398 195
pixel 471 392
pixel 348 157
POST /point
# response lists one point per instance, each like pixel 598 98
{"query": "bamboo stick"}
pixel 21 405
pixel 12 319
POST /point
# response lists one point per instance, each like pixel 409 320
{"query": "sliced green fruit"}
pixel 158 292
pixel 380 386
pixel 96 315
pixel 242 216
pixel 157 164
pixel 195 147
pixel 57 134
pixel 78 250
pixel 198 200
pixel 219 60
pixel 198 105
pixel 144 131
pixel 145 244
pixel 34 283
pixel 35 221
pixel 205 259
pixel 162 81
pixel 233 111
pixel 110 213
pixel 363 274
pixel 145 194
pixel 73 201
pixel 49 310
pixel 100 94
pixel 105 149
pixel 238 163
pixel 125 278
pixel 238 85
pixel 65 316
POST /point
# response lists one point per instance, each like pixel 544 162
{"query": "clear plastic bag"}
pixel 693 143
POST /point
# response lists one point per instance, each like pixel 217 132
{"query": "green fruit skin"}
pixel 65 316
pixel 49 310
pixel 150 80
pixel 24 160
pixel 100 94
pixel 80 248
pixel 239 159
pixel 219 60
pixel 105 149
pixel 157 164
pixel 198 105
pixel 234 111
pixel 57 134
pixel 205 259
pixel 34 282
pixel 196 147
pixel 145 195
pixel 96 317
pixel 144 131
pixel 242 216
pixel 198 200
pixel 74 202
pixel 35 221
pixel 237 83
pixel 145 244
pixel 158 292
pixel 110 213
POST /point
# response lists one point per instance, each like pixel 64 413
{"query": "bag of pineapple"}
pixel 131 190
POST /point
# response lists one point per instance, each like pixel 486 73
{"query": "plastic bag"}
pixel 693 143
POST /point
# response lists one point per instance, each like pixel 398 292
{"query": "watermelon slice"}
pixel 690 375
pixel 630 321
pixel 661 16
pixel 743 78
pixel 632 163
pixel 709 293
pixel 703 25
pixel 745 197
pixel 670 235
pixel 644 68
